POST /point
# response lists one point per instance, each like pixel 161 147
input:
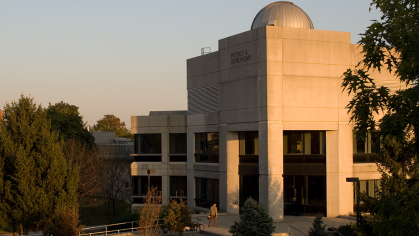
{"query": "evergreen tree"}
pixel 35 177
pixel 391 44
pixel 254 221
pixel 318 227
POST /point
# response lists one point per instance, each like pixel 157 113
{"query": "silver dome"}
pixel 285 13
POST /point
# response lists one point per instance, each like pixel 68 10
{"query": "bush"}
pixel 348 230
pixel 318 227
pixel 178 216
pixel 65 222
pixel 254 221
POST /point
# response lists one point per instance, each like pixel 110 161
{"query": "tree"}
pixel 178 216
pixel 115 174
pixel 391 44
pixel 254 220
pixel 89 165
pixel 66 119
pixel 65 222
pixel 149 214
pixel 112 123
pixel 35 177
pixel 318 227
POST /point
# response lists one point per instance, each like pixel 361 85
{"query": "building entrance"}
pixel 249 187
pixel 304 195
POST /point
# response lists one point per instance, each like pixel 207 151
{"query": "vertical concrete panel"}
pixel 271 168
pixel 189 167
pixel 165 148
pixel 223 167
pixel 165 189
pixel 332 173
pixel 345 168
pixel 191 189
pixel 233 183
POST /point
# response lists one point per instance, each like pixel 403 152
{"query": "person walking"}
pixel 213 215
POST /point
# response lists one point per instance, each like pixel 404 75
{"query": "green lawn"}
pixel 101 213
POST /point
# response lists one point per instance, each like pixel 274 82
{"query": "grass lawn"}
pixel 102 213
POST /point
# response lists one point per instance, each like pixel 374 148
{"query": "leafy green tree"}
pixel 35 177
pixel 391 44
pixel 318 228
pixel 254 220
pixel 67 120
pixel 178 216
pixel 112 123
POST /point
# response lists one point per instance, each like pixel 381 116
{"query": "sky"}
pixel 128 57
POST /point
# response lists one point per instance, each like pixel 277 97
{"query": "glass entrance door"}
pixel 249 187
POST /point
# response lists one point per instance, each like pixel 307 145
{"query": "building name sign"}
pixel 240 56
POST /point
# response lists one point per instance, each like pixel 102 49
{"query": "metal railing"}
pixel 289 230
pixel 106 232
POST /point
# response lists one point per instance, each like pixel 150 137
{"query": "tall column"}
pixel 271 168
pixel 339 166
pixel 165 188
pixel 229 171
pixel 189 167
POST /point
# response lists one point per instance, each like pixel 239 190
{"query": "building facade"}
pixel 266 119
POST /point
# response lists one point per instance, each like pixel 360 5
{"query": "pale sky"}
pixel 127 57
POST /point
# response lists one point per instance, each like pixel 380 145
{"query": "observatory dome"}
pixel 285 13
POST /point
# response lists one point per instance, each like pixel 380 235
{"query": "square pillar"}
pixel 339 166
pixel 229 171
pixel 271 168
pixel 189 167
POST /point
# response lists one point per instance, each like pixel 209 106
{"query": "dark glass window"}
pixel 140 184
pixel 207 192
pixel 148 143
pixel 177 144
pixel 249 143
pixel 369 145
pixel 360 145
pixel 206 147
pixel 178 186
pixel 317 190
pixel 206 143
pixel 304 143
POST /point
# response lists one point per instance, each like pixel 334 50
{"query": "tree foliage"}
pixel 149 214
pixel 254 221
pixel 112 123
pixel 177 216
pixel 318 228
pixel 35 178
pixel 66 119
pixel 65 222
pixel 391 44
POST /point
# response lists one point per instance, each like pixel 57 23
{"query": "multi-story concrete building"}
pixel 266 119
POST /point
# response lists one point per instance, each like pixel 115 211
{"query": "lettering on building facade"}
pixel 240 56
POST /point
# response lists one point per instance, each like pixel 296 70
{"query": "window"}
pixel 206 147
pixel 148 143
pixel 178 186
pixel 207 192
pixel 249 143
pixel 177 143
pixel 177 147
pixel 304 143
pixel 366 149
pixel 140 186
pixel 369 187
pixel 368 145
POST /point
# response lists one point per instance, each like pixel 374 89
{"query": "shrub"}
pixel 65 222
pixel 318 227
pixel 254 221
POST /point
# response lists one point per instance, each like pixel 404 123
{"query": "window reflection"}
pixel 249 143
pixel 147 143
pixel 304 143
pixel 178 186
pixel 207 192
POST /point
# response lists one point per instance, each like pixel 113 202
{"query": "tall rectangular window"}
pixel 147 143
pixel 369 144
pixel 249 143
pixel 207 192
pixel 177 144
pixel 207 147
pixel 178 186
pixel 140 184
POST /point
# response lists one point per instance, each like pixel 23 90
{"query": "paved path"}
pixel 303 223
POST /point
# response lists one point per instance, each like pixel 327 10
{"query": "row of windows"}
pixel 206 190
pixel 300 143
